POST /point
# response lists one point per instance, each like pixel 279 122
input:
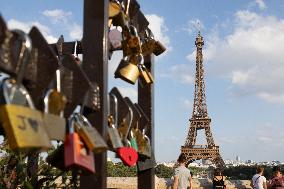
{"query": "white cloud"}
pixel 159 29
pixel 181 73
pixel 57 15
pixel 26 26
pixel 260 3
pixel 76 32
pixel 251 56
pixel 194 25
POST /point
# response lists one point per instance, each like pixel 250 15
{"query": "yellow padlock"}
pixel 23 127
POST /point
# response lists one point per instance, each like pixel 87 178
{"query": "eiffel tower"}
pixel 200 119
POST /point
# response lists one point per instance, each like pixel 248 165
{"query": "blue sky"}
pixel 243 58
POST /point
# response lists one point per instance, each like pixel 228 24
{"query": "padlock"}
pixel 151 45
pixel 23 125
pixel 54 104
pixel 127 70
pixel 117 13
pixel 114 8
pixel 145 164
pixel 124 115
pixel 114 137
pixel 89 134
pixel 144 146
pixel 131 44
pixel 145 77
pixel 113 134
pixel 55 124
pixel 133 141
pixel 76 155
pixel 128 155
pixel 92 97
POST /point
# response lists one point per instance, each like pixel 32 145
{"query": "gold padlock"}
pixel 151 45
pixel 89 134
pixel 114 8
pixel 146 77
pixel 54 104
pixel 113 134
pixel 127 70
pixel 144 147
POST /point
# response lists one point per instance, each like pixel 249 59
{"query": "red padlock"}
pixel 75 153
pixel 128 155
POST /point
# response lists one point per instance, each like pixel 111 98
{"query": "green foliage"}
pixel 196 170
pixel 120 170
pixel 163 171
pixel 14 171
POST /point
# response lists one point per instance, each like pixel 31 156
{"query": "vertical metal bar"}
pixel 146 179
pixel 95 57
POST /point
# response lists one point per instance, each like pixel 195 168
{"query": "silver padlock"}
pixel 112 123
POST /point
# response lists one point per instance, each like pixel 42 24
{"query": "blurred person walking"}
pixel 258 181
pixel 182 176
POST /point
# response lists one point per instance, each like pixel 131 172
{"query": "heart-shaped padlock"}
pixel 128 156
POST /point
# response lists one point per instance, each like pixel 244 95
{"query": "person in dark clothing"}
pixel 277 181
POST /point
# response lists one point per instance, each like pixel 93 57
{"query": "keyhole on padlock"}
pixel 130 158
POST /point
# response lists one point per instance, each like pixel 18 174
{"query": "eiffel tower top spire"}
pixel 199 105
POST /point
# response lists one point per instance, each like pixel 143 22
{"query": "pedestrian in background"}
pixel 182 176
pixel 258 181
pixel 277 181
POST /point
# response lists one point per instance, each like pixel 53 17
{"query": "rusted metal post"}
pixel 146 179
pixel 95 59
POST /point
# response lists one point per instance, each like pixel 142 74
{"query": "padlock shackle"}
pixel 45 100
pixel 149 34
pixel 115 116
pixel 75 49
pixel 127 7
pixel 58 80
pixel 24 56
pixel 82 120
pixel 71 122
pixel 7 84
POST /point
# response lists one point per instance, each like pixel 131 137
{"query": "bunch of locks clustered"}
pixel 36 77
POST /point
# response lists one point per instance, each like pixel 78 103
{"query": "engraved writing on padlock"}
pixel 89 134
pixel 24 127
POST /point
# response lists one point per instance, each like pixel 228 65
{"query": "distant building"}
pixel 238 158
